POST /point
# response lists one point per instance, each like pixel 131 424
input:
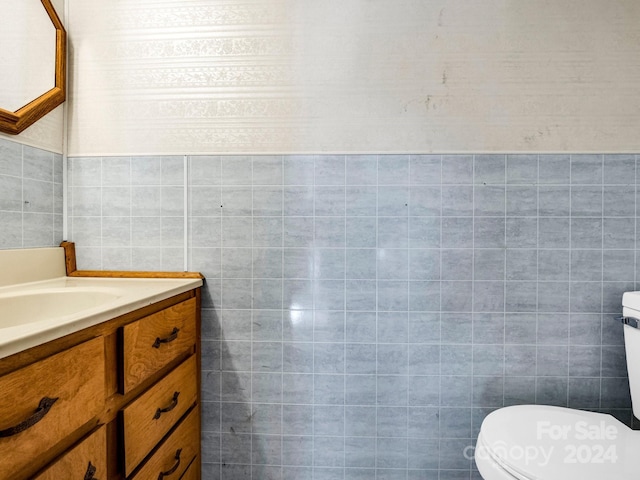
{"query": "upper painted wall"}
pixel 48 132
pixel 284 76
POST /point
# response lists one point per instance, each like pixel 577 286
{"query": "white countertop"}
pixel 38 311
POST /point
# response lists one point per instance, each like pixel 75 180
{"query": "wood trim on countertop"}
pixel 72 271
pixel 69 256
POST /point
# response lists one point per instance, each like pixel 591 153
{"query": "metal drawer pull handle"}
pixel 43 408
pixel 172 336
pixel 91 470
pixel 172 469
pixel 632 322
pixel 174 403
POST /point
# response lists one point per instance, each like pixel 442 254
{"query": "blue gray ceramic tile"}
pixel 364 313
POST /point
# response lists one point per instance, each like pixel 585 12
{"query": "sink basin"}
pixel 20 308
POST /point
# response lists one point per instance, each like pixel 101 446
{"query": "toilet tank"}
pixel 631 319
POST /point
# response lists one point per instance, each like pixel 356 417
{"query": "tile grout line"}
pixel 22 147
pixel 101 219
pixel 408 263
pixel 185 214
pixel 252 403
pixel 504 280
pixel 602 190
pixel 535 381
pixel 440 308
pixel 344 327
pixel 313 322
pixel 473 286
pixel 222 304
pixel 567 394
pixel 375 465
pixel 130 188
pixel 282 313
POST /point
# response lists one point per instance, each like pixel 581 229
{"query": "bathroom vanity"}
pixel 112 397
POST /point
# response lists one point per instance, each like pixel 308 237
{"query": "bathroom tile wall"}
pixel 363 314
pixel 128 213
pixel 30 196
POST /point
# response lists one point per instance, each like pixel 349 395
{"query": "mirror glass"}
pixel 27 52
pixel 32 62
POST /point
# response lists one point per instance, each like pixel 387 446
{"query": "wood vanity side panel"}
pixel 195 470
pixel 140 358
pixel 76 377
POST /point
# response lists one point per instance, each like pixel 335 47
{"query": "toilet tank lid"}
pixel 631 300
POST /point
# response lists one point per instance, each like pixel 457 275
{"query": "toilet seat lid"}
pixel 535 442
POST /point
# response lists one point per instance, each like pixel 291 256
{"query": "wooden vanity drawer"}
pixel 86 460
pixel 148 418
pixel 154 341
pixel 30 424
pixel 176 453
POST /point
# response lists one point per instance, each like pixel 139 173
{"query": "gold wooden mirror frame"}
pixel 15 122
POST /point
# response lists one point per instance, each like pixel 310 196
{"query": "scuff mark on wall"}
pixel 535 137
pixel 427 102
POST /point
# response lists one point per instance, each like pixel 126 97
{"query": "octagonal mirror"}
pixel 32 62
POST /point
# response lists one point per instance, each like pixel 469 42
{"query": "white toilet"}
pixel 536 442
